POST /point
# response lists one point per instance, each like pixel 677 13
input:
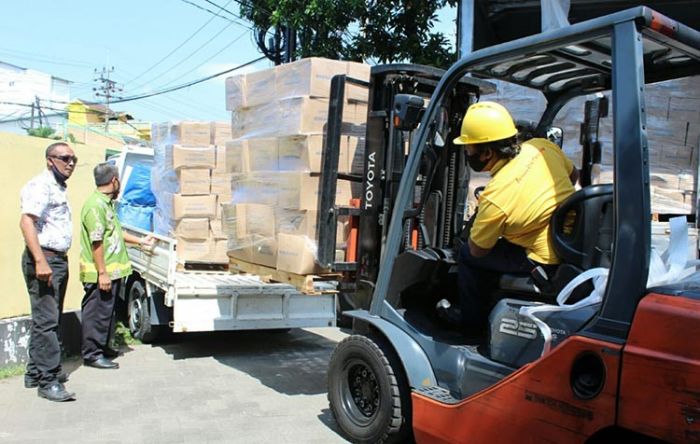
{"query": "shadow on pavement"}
pixel 293 362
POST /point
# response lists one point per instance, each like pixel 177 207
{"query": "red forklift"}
pixel 624 367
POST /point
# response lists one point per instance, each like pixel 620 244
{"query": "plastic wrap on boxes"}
pixel 184 133
pixel 307 77
pixel 236 92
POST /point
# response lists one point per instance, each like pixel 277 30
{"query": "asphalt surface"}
pixel 232 387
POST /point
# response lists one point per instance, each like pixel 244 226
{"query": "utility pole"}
pixel 107 89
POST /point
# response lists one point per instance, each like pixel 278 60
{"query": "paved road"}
pixel 234 387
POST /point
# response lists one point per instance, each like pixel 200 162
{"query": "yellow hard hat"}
pixel 486 122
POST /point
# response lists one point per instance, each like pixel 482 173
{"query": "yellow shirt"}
pixel 520 198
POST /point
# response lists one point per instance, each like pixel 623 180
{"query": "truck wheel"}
pixel 368 393
pixel 139 312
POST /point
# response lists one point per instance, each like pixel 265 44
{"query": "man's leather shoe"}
pixel 33 383
pixel 110 353
pixel 55 392
pixel 102 362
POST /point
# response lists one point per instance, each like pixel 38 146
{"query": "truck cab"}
pixel 554 366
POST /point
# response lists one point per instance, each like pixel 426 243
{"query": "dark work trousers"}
pixel 97 311
pixel 478 277
pixel 47 305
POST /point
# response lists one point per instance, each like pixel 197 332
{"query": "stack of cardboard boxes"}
pixel 279 119
pixel 190 182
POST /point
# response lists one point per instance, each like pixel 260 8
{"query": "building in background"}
pixel 31 98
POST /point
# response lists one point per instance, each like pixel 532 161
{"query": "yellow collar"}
pixel 497 166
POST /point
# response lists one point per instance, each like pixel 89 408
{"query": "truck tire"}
pixel 368 393
pixel 139 314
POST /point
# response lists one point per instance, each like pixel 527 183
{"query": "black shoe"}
pixel 452 316
pixel 102 363
pixel 55 392
pixel 110 353
pixel 33 382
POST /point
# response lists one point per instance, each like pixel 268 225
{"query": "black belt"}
pixel 52 252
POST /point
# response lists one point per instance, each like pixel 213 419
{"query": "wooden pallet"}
pixel 303 282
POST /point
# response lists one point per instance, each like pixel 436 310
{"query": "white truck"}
pixel 160 296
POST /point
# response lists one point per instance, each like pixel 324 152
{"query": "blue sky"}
pixel 69 39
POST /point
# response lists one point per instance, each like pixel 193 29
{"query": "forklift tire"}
pixel 368 393
pixel 139 314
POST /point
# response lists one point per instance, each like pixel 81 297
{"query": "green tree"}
pixel 45 132
pixel 386 31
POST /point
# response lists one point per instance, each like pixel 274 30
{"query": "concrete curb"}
pixel 14 337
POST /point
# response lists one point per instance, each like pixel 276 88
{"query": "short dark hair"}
pixel 503 149
pixel 51 148
pixel 104 173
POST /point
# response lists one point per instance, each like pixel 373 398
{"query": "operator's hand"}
pixel 148 242
pixel 104 282
pixel 43 271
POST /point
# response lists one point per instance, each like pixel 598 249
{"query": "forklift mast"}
pixel 397 97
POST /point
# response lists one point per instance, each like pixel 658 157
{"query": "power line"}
pixel 207 60
pixel 189 55
pixel 188 84
pixel 215 14
pixel 176 48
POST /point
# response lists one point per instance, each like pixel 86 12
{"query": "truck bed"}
pixel 220 300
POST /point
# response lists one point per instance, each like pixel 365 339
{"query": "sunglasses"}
pixel 66 158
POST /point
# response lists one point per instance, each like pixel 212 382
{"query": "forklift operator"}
pixel 510 231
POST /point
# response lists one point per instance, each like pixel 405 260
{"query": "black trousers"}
pixel 97 318
pixel 47 305
pixel 478 277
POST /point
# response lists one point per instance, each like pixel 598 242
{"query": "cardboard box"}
pixel 233 159
pixel 260 87
pixel 194 206
pixel 296 254
pixel 305 223
pixel 220 133
pixel 261 154
pixel 194 250
pixel 305 153
pixel 217 228
pixel 307 77
pixel 262 188
pixel 239 248
pixel 355 154
pixel 219 251
pixel 229 221
pixel 276 118
pixel 255 219
pixel 263 251
pixel 359 71
pixel 300 191
pixel 185 156
pixel 194 181
pixel 193 228
pixel 191 133
pixel 236 92
pixel 221 185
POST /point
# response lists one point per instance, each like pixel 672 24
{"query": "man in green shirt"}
pixel 103 265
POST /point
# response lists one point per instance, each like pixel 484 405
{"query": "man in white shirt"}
pixel 46 226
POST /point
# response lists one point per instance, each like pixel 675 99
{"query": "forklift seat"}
pixel 581 229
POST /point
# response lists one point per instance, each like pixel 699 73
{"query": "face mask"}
pixel 475 161
pixel 59 176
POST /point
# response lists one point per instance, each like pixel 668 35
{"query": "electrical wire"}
pixel 207 60
pixel 176 48
pixel 214 13
pixel 188 56
pixel 188 84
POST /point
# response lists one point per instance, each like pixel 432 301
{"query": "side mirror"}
pixel 556 135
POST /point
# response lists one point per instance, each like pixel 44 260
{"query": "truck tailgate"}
pixel 207 301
